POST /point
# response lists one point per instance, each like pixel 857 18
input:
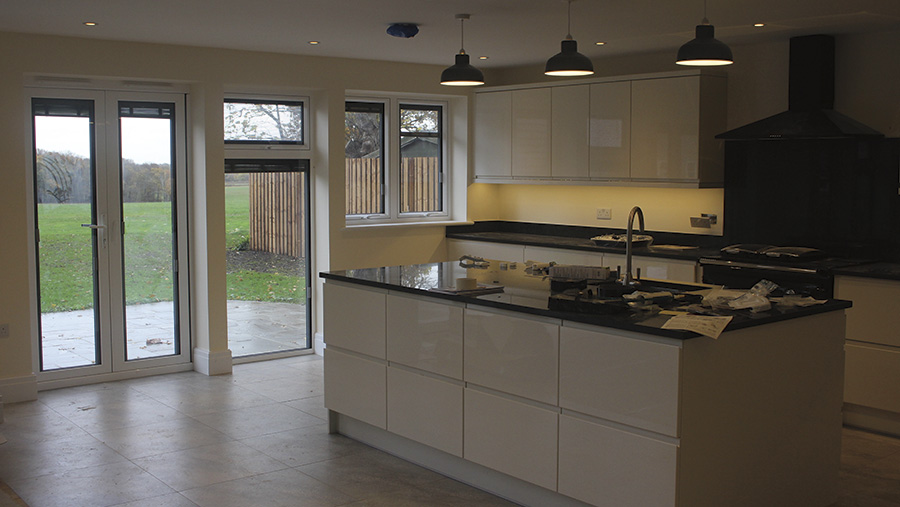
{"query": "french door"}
pixel 110 221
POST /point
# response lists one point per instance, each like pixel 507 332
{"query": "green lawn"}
pixel 65 256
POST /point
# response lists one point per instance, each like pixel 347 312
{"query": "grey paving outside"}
pixel 254 327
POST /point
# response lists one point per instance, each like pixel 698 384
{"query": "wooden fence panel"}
pixel 277 213
pixel 420 188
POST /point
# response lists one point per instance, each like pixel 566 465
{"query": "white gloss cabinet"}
pixel 356 386
pixel 355 319
pixel 673 126
pixel 657 268
pixel 610 130
pixel 493 139
pixel 424 334
pixel 640 379
pixel 456 248
pixel 562 256
pixel 425 409
pixel 516 355
pixel 604 466
pixel 531 133
pixel 513 437
pixel 570 132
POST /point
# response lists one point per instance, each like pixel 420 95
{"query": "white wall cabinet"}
pixel 610 130
pixel 570 132
pixel 654 130
pixel 493 139
pixel 531 133
pixel 673 126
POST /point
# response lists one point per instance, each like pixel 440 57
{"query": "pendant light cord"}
pixel 462 44
pixel 569 21
pixel 705 19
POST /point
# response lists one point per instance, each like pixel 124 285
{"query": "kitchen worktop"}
pixel 882 270
pixel 531 295
pixel 665 244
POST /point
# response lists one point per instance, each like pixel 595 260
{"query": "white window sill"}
pixel 427 223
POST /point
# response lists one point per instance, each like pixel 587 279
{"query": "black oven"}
pixel 790 279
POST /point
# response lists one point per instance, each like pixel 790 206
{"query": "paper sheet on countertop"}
pixel 701 324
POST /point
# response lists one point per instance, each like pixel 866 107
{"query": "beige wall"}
pixel 868 70
pixel 207 74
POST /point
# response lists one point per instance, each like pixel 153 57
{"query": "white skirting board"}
pixel 319 344
pixel 15 389
pixel 212 363
pixel 871 419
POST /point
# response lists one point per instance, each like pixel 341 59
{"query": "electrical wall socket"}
pixel 4 330
pixel 604 213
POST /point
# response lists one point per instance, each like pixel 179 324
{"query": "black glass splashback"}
pixel 837 195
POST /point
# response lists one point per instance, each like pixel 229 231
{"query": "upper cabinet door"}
pixel 531 133
pixel 493 135
pixel 666 127
pixel 610 130
pixel 570 131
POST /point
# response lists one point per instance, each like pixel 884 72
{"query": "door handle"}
pixel 93 226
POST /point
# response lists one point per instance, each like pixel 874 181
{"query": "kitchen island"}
pixel 548 407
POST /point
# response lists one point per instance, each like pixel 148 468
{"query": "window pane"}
pixel 364 155
pixel 259 122
pixel 420 159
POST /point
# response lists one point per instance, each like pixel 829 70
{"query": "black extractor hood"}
pixel 810 113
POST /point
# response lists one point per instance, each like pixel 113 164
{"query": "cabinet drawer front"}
pixel 356 387
pixel 355 319
pixel 631 381
pixel 425 335
pixel 873 317
pixel 426 410
pixel 872 376
pixel 608 467
pixel 511 354
pixel 511 437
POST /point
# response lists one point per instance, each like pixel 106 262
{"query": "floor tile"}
pixel 296 387
pixel 196 398
pixel 119 411
pixel 202 466
pixel 313 406
pixel 287 488
pixel 306 445
pixel 369 474
pixel 40 428
pixel 20 459
pixel 159 438
pixel 255 421
pixel 95 486
pixel 169 500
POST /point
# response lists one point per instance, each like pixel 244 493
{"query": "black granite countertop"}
pixel 882 270
pixel 665 244
pixel 531 294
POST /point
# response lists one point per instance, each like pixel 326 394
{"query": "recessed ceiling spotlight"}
pixel 759 25
pixel 600 43
pixel 90 23
pixel 483 57
pixel 313 43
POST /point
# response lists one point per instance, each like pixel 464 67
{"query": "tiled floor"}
pixel 259 438
pixel 254 438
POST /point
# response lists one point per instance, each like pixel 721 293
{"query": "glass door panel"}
pixel 146 163
pixel 67 218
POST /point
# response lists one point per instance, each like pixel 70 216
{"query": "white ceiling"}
pixel 509 32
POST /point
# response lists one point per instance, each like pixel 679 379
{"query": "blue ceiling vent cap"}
pixel 405 30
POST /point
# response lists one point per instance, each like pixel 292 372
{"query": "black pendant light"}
pixel 462 73
pixel 569 62
pixel 705 50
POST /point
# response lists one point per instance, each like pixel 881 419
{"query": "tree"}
pixel 362 134
pixel 248 122
pixel 62 176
